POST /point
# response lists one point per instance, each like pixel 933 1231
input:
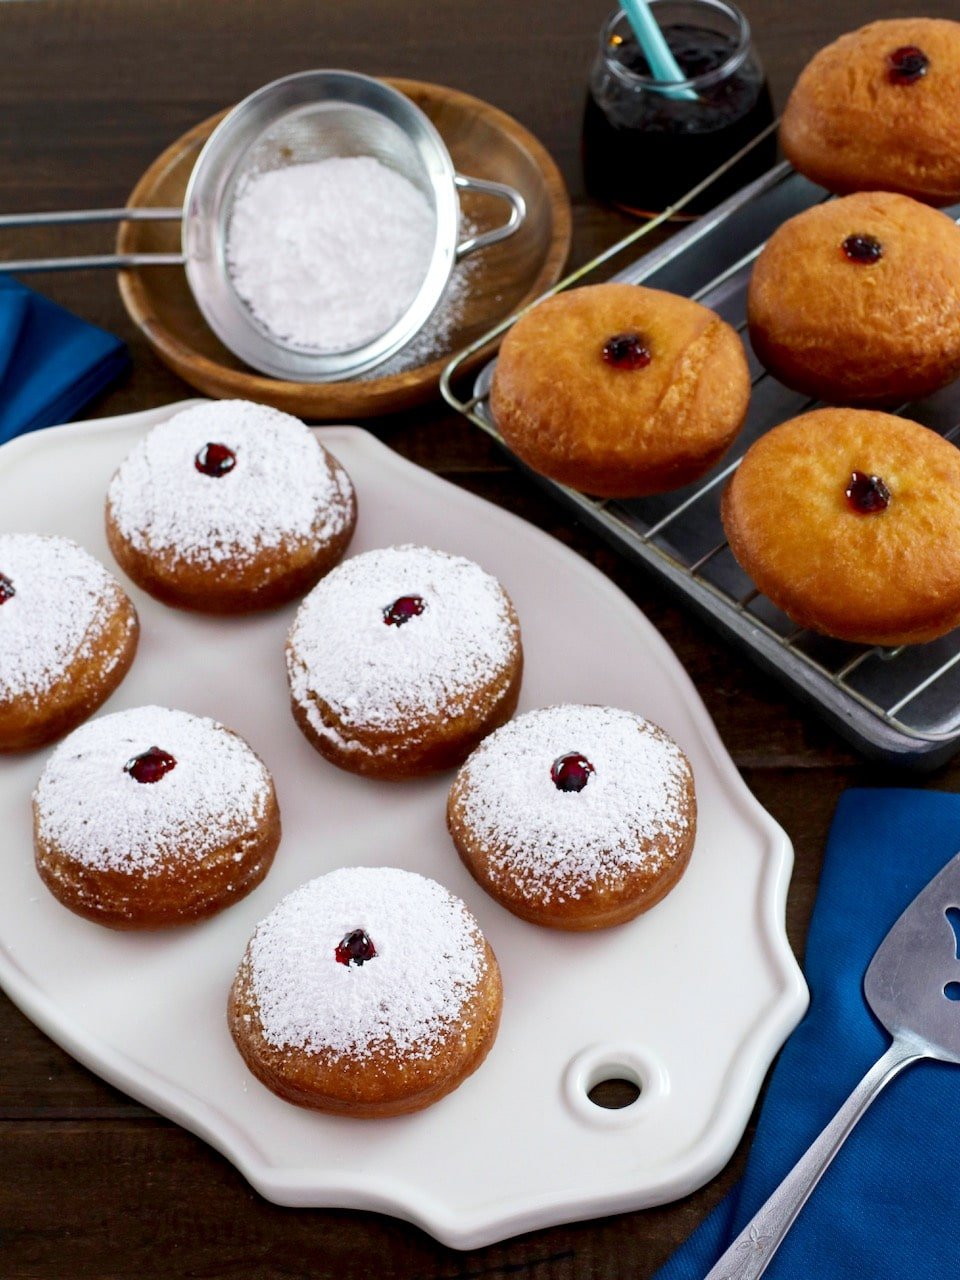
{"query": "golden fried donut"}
pixel 401 660
pixel 575 817
pixel 229 507
pixel 149 818
pixel 849 520
pixel 68 634
pixel 877 110
pixel 857 301
pixel 619 390
pixel 367 992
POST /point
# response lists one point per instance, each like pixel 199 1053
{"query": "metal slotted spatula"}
pixel 913 986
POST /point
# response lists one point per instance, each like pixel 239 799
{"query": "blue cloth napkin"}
pixel 887 1207
pixel 52 363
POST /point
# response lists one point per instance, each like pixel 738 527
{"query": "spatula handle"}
pixel 750 1254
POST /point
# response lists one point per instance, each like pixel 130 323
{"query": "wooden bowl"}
pixel 483 142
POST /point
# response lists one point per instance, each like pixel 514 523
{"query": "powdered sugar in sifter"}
pixel 313 115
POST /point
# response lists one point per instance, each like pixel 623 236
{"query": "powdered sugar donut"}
pixel 369 992
pixel 576 817
pixel 68 634
pixel 153 817
pixel 402 660
pixel 229 507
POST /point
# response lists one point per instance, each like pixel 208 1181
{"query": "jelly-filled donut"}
pixel 877 110
pixel 849 520
pixel 401 660
pixel 151 817
pixel 229 507
pixel 68 634
pixel 619 390
pixel 575 817
pixel 857 301
pixel 367 992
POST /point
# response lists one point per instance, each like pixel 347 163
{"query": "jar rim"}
pixel 707 78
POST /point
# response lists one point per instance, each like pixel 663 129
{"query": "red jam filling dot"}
pixel 626 351
pixel 7 591
pixel 864 250
pixel 867 494
pixel 355 948
pixel 403 609
pixel 571 772
pixel 215 460
pixel 907 65
pixel 150 765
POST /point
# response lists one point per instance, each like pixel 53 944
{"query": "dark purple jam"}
pixel 403 609
pixel 642 150
pixel 215 460
pixel 864 250
pixel 907 65
pixel 355 948
pixel 626 351
pixel 7 591
pixel 150 765
pixel 867 494
pixel 571 772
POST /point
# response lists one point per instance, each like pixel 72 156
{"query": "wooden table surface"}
pixel 91 1183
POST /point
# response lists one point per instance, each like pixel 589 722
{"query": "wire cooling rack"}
pixel 901 705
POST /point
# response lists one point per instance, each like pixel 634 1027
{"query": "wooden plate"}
pixel 483 142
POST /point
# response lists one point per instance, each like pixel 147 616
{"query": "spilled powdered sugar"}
pixel 544 841
pixel 102 817
pixel 329 254
pixel 63 601
pixel 376 676
pixel 283 489
pixel 407 998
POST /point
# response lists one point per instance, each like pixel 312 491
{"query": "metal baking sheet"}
pixel 901 706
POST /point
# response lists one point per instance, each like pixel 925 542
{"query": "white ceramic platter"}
pixel 691 1000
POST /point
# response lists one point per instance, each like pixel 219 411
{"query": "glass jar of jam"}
pixel 644 143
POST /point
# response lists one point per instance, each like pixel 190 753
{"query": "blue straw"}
pixel 660 59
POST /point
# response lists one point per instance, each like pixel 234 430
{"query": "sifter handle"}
pixel 67 217
pixel 518 211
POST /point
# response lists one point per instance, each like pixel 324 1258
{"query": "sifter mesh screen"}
pixel 323 131
pixel 305 118
pixel 326 130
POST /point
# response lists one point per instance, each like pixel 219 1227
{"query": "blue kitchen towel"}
pixel 52 363
pixel 887 1207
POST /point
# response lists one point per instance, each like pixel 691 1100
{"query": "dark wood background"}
pixel 91 1183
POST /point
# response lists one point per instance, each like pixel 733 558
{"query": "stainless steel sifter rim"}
pixel 214 180
pixel 205 214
